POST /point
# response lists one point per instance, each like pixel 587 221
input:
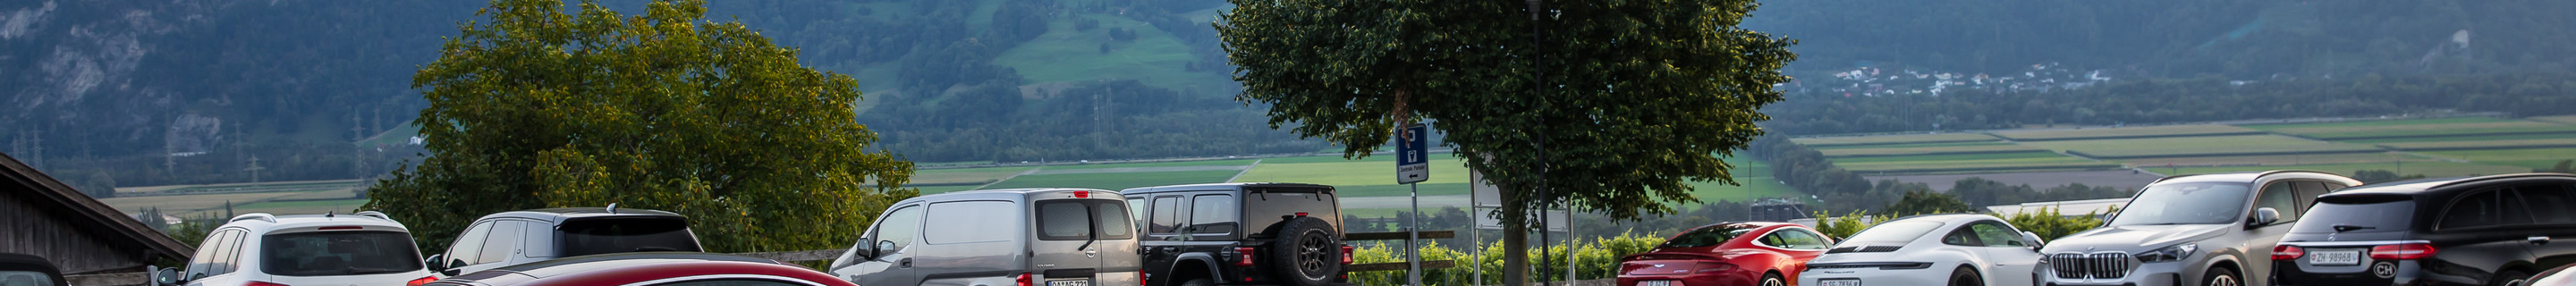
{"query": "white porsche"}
pixel 1952 249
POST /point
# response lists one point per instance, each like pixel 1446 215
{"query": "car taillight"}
pixel 257 283
pixel 1346 254
pixel 422 280
pixel 1632 267
pixel 1023 280
pixel 344 227
pixel 2288 252
pixel 1081 194
pixel 1707 267
pixel 1140 277
pixel 1243 256
pixel 2404 251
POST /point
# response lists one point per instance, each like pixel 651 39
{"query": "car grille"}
pixel 2094 265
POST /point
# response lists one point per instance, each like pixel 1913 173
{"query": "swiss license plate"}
pixel 2335 257
pixel 1659 283
pixel 1841 282
pixel 1068 283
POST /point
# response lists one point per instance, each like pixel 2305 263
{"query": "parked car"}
pixel 516 237
pixel 2491 230
pixel 1732 253
pixel 1241 234
pixel 29 270
pixel 1954 249
pixel 648 268
pixel 2554 277
pixel 1026 237
pixel 259 249
pixel 2214 229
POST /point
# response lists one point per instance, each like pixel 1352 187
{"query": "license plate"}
pixel 1068 283
pixel 1659 283
pixel 2335 257
pixel 1841 282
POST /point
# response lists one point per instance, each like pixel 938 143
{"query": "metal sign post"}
pixel 1412 166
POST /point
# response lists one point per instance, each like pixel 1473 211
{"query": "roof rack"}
pixel 375 214
pixel 258 216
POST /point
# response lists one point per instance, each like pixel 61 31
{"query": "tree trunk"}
pixel 1515 239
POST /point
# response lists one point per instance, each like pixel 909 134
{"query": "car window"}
pixel 25 278
pixel 971 213
pixel 2184 203
pixel 1996 234
pixel 2281 198
pixel 337 253
pixel 1105 216
pixel 898 227
pixel 2386 213
pixel 204 260
pixel 2308 192
pixel 531 246
pixel 1962 236
pixel 214 257
pixel 1706 236
pixel 1166 208
pixel 2482 208
pixel 1894 233
pixel 503 242
pixel 1064 220
pixel 470 244
pixel 1136 209
pixel 623 234
pixel 230 259
pixel 1212 214
pixel 732 282
pixel 2549 204
pixel 1792 238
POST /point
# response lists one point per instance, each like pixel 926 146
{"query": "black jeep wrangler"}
pixel 1240 234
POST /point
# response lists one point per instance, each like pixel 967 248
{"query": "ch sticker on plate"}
pixel 2335 257
pixel 1068 283
pixel 1841 282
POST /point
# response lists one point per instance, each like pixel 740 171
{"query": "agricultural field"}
pixel 2292 159
pixel 968 176
pixel 2431 169
pixel 1444 169
pixel 1936 150
pixel 2563 141
pixel 1240 162
pixel 193 205
pixel 2203 146
pixel 2051 161
pixel 1115 181
pixel 2127 132
pixel 2465 126
pixel 1893 139
pixel 2561 119
pixel 2527 158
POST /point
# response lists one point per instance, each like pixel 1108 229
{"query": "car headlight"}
pixel 2169 253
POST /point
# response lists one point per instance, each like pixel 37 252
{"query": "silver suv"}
pixel 2215 230
pixel 365 248
pixel 1029 237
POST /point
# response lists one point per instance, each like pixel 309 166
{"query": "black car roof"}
pixel 2433 186
pixel 558 214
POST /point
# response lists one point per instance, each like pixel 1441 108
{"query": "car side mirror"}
pixel 433 260
pixel 454 267
pixel 2264 217
pixel 2034 240
pixel 165 276
pixel 879 250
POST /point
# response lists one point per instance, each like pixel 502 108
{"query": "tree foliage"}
pixel 1639 96
pixel 539 107
pixel 1927 202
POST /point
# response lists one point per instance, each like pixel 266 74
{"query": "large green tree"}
pixel 540 107
pixel 1608 106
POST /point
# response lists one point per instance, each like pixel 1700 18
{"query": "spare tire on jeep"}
pixel 1306 251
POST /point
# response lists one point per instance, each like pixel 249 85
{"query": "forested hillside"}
pixel 146 92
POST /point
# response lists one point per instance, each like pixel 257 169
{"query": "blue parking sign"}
pixel 1413 155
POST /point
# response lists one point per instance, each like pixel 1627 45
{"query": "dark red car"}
pixel 648 268
pixel 1726 254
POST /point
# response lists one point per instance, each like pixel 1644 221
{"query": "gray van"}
pixel 1032 237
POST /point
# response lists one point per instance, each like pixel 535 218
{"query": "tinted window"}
pixel 1212 214
pixel 2281 198
pixel 215 256
pixel 2482 209
pixel 1707 236
pixel 503 242
pixel 230 258
pixel 337 253
pixel 1791 238
pixel 2548 204
pixel 1263 208
pixel 1165 208
pixel 2184 203
pixel 1067 219
pixel 2308 192
pixel 899 228
pixel 1105 218
pixel 25 278
pixel 977 221
pixel 470 244
pixel 1894 233
pixel 617 235
pixel 1962 236
pixel 204 260
pixel 1996 234
pixel 2380 214
pixel 732 282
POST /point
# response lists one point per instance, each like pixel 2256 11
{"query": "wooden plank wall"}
pixel 30 227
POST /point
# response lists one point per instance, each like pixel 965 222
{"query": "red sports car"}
pixel 1726 254
pixel 648 268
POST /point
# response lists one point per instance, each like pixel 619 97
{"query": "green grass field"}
pixel 1154 164
pixel 1388 159
pixel 1892 139
pixel 1115 181
pixel 2358 123
pixel 1927 150
pixel 2527 158
pixel 1350 173
pixel 2186 146
pixel 2431 169
pixel 2561 119
pixel 2458 138
pixel 2302 159
pixel 1956 165
pixel 2426 127
pixel 2488 144
pixel 1910 145
pixel 2176 131
pixel 964 176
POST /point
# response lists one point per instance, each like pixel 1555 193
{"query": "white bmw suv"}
pixel 260 249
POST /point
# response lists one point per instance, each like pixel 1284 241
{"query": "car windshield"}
pixel 1893 233
pixel 25 278
pixel 336 253
pixel 597 236
pixel 2185 203
pixel 1707 236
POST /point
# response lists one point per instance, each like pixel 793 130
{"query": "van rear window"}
pixel 620 235
pixel 1077 219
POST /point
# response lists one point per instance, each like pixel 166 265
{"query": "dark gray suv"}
pixel 1241 234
